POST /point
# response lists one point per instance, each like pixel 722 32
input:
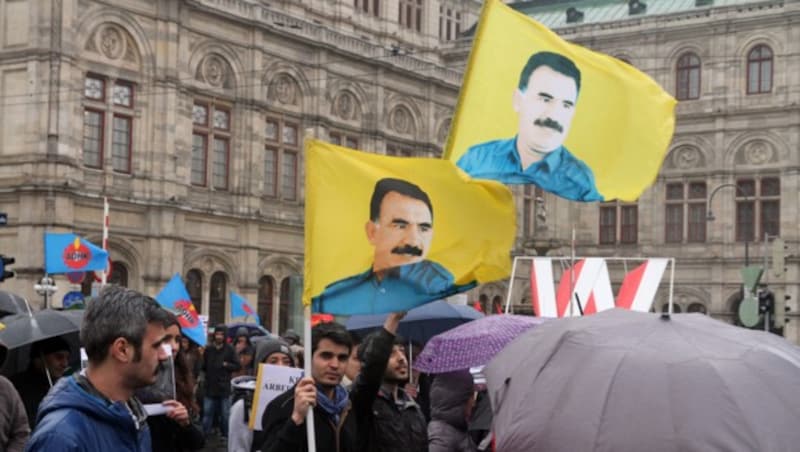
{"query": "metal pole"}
pixel 511 284
pixel 307 356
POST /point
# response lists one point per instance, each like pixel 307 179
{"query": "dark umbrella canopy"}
pixel 11 303
pixel 629 381
pixel 18 332
pixel 420 324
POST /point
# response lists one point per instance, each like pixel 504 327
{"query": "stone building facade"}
pixel 734 66
pixel 189 117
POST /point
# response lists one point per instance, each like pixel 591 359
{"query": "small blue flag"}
pixel 240 308
pixel 175 298
pixel 66 253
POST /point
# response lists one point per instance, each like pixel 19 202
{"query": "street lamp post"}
pixel 710 215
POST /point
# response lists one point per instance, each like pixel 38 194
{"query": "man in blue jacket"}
pixel 95 410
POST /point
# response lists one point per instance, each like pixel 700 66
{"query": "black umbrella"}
pixel 19 331
pixel 11 303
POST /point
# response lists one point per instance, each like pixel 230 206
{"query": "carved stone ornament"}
pixel 401 120
pixel 686 157
pixel 111 42
pixel 214 71
pixel 284 90
pixel 444 129
pixel 345 106
pixel 758 153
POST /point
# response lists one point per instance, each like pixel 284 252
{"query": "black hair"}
pixel 332 331
pixel 116 313
pixel 554 61
pixel 405 188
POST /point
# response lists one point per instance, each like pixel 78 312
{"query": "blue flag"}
pixel 175 298
pixel 67 253
pixel 240 308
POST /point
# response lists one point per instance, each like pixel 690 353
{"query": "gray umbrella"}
pixel 628 381
pixel 19 331
pixel 11 303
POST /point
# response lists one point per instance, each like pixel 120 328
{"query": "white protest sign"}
pixel 204 322
pixel 271 382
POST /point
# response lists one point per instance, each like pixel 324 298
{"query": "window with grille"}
pixel 281 158
pixel 685 212
pixel 410 14
pixel 759 70
pixel 211 138
pixel 108 113
pixel 757 208
pixel 688 77
pixel 345 139
pixel 619 223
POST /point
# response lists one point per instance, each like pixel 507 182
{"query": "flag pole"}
pixel 572 271
pixel 104 274
pixel 307 356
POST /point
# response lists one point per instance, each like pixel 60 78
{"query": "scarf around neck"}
pixel 333 407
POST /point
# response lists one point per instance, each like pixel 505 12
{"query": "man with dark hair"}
pixel 219 360
pixel 545 101
pixel 399 423
pixel 400 228
pixel 49 360
pixel 342 421
pixel 122 332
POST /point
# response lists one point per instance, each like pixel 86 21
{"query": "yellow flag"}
pixel 387 234
pixel 535 109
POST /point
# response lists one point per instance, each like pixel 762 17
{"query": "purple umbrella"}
pixel 472 344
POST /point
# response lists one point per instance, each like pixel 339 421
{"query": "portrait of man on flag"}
pixel 386 234
pixel 537 109
pixel 545 101
pixel 400 228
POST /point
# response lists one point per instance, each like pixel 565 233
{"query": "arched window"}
pixel 266 288
pixel 194 285
pixel 676 308
pixel 285 306
pixel 759 70
pixel 497 305
pixel 484 299
pixel 688 77
pixel 119 274
pixel 697 307
pixel 218 295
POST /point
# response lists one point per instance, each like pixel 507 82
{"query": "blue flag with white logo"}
pixel 240 308
pixel 175 298
pixel 67 253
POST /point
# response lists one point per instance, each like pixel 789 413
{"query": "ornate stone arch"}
pixel 357 97
pixel 760 37
pixel 679 50
pixel 442 130
pixel 685 157
pixel 684 297
pixel 209 261
pixel 286 85
pixel 216 65
pixel 402 120
pixel 132 48
pixel 756 149
pixel 279 267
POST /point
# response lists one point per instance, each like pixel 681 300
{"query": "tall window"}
pixel 449 23
pixel 685 211
pixel 212 127
pixel 410 14
pixel 343 139
pixel 532 201
pixel 217 298
pixel 619 223
pixel 281 154
pixel 371 7
pixel 107 103
pixel 286 304
pixel 265 296
pixel 757 199
pixel 759 70
pixel 688 77
pixel 194 285
pixel 119 274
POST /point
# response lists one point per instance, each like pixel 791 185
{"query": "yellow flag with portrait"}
pixel 536 109
pixel 387 234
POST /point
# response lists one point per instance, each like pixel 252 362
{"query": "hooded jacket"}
pixel 240 437
pixel 76 417
pixel 447 431
pixel 14 429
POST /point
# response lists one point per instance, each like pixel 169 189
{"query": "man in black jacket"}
pixel 399 424
pixel 219 360
pixel 341 420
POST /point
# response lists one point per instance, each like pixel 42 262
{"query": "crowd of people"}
pixel 359 389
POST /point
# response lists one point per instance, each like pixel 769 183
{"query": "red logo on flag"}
pixel 77 255
pixel 187 314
